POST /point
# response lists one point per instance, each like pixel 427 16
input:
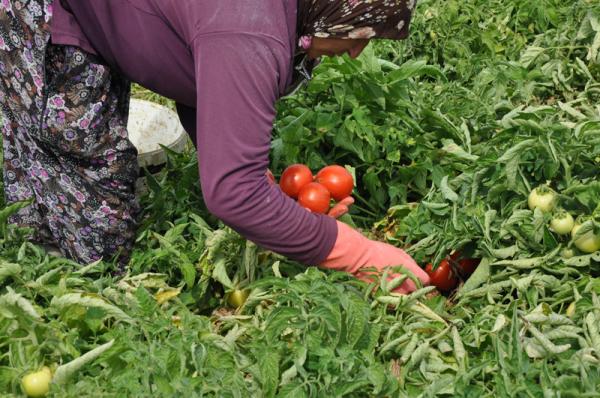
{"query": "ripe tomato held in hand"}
pixel 442 277
pixel 314 197
pixel 293 178
pixel 337 180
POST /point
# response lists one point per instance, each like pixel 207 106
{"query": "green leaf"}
pixel 350 387
pixel 278 320
pixel 250 259
pixel 357 318
pixel 448 193
pixel 269 370
pixel 64 372
pixel 13 304
pixel 145 300
pixel 189 272
pixel 376 375
pixel 479 277
pixel 62 303
pixel 8 270
pixel 220 273
pixel 8 211
pixel 452 148
pixel 292 390
pixel 413 68
pixel 531 55
pixel 516 151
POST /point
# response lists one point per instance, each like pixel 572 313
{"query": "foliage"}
pixel 447 132
pixel 463 75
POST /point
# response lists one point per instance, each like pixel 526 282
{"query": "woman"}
pixel 66 66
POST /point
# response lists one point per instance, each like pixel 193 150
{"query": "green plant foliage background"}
pixel 447 133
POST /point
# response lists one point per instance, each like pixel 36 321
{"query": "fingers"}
pixel 407 262
pixel 342 207
pixel 338 210
pixel 403 290
pixel 347 201
pixel 369 277
pixel 407 287
pixel 392 256
pixel 421 274
pixel 270 177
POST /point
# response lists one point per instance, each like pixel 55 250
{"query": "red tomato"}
pixel 442 277
pixel 314 197
pixel 468 265
pixel 337 180
pixel 295 177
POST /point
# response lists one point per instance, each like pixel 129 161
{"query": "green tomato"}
pixel 238 297
pixel 588 242
pixel 542 198
pixel 562 223
pixel 37 384
pixel 567 253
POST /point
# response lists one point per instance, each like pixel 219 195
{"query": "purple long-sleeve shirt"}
pixel 225 62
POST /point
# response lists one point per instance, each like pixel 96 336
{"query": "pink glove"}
pixel 352 252
pixel 340 208
pixel 270 177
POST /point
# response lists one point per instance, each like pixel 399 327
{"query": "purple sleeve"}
pixel 66 30
pixel 237 86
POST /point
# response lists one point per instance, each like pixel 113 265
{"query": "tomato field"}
pixel 476 138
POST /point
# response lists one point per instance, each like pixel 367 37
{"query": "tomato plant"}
pixel 442 277
pixel 447 137
pixel 314 197
pixel 337 180
pixel 293 178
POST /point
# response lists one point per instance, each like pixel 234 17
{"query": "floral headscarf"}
pixel 353 19
pixel 346 19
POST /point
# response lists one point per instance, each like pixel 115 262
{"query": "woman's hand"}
pixel 342 207
pixel 354 253
pixel 271 177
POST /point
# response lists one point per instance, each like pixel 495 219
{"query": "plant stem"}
pixel 363 200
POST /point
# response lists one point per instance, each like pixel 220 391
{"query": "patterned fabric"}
pixel 345 19
pixel 354 19
pixel 63 115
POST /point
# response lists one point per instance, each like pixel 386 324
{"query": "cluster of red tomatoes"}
pixel 315 192
pixel 445 276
